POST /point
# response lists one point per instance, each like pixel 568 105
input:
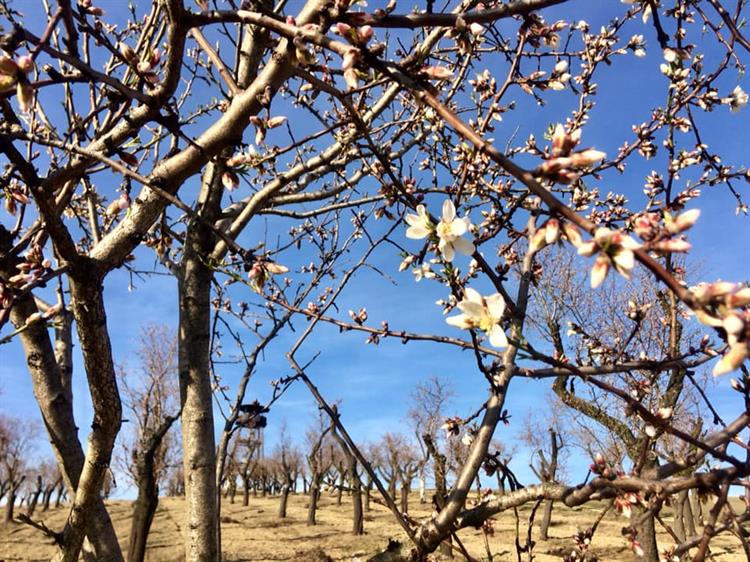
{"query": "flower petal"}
pixel 449 211
pixel 417 231
pixel 495 305
pixel 447 250
pixel 599 271
pixel 464 246
pixel 497 337
pixel 732 359
pixel 624 262
pixel 457 227
pixel 473 296
pixel 471 309
pixel 461 321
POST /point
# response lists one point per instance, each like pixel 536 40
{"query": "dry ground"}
pixel 255 533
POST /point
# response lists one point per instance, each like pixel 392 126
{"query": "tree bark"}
pixel 10 504
pixel 147 501
pixel 647 538
pixel 358 520
pixel 51 371
pixel 194 368
pixel 404 497
pixel 368 489
pixel 87 302
pixel 283 500
pixel 34 498
pixel 144 509
pixel 687 514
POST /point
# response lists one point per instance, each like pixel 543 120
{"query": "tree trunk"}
pixel 60 496
pixel 687 513
pixel 47 497
pixel 697 510
pixel 144 509
pixel 10 505
pixel 368 489
pixel 679 518
pixel 245 492
pixel 647 538
pixel 404 497
pixel 196 396
pixel 232 491
pixel 312 508
pixel 34 499
pixel 86 279
pixel 340 491
pixel 283 501
pixel 51 371
pixel 546 520
pixel 358 520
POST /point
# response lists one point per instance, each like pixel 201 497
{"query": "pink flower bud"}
pixel 587 157
pixel 538 240
pixel 558 140
pixel 127 52
pixel 683 222
pixel 572 234
pixel 25 95
pixel 365 33
pixel 277 121
pixel 437 72
pixel 552 231
pixel 230 180
pixel 25 64
pixel 351 78
pixel 664 413
pixel 476 29
pixel 672 245
pixel 732 359
pixel 342 29
pixel 599 271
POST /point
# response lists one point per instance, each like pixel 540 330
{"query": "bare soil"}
pixel 255 533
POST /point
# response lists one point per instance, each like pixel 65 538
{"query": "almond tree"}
pixel 16 443
pixel 318 461
pixel 428 414
pixel 151 398
pixel 405 130
pixel 287 457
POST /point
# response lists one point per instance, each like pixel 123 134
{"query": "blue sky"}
pixel 373 383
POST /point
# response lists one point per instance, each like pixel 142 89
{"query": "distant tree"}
pixel 52 479
pixel 547 454
pixel 318 462
pixel 16 445
pixel 400 465
pixel 351 473
pixel 287 458
pixel 429 400
pixel 151 398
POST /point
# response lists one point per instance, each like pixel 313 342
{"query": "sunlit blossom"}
pixel 450 230
pixel 420 225
pixel 423 272
pixel 737 99
pixel 483 313
pixel 614 248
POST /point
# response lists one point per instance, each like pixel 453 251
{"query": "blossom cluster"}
pixel 477 312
